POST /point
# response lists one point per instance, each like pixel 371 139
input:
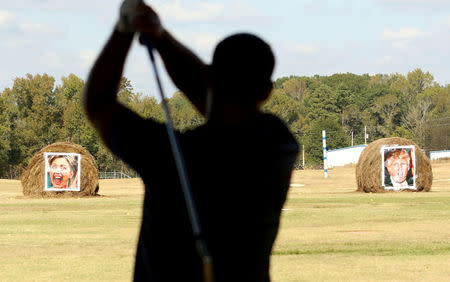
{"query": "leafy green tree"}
pixel 412 85
pixel 68 101
pixel 399 83
pixel 418 82
pixel 387 108
pixel 322 103
pixel 278 84
pixel 147 107
pixel 379 79
pixel 400 131
pixel 125 93
pixel 5 132
pixel 440 100
pixel 36 124
pixel 416 120
pixel 365 101
pixel 312 139
pixel 352 120
pixel 438 124
pixel 350 88
pixel 295 87
pixel 183 113
pixel 10 150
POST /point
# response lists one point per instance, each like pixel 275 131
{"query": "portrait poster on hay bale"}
pixel 398 164
pixel 62 171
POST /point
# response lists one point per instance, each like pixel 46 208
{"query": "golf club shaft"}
pixel 182 172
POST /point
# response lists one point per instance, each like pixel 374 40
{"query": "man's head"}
pixel 241 70
pixel 398 163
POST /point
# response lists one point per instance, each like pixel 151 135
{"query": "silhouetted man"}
pixel 239 163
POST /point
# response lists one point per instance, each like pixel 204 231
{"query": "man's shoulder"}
pixel 266 130
pixel 270 119
pixel 276 130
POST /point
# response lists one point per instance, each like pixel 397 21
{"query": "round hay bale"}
pixel 35 177
pixel 369 168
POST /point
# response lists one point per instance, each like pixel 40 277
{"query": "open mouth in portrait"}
pixel 57 180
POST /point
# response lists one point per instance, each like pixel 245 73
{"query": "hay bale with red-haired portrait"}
pixel 393 164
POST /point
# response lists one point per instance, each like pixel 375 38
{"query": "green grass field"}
pixel 328 232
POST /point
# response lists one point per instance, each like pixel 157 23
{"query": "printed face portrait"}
pixel 62 171
pixel 398 164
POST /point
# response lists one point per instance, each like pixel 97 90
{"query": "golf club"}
pixel 182 172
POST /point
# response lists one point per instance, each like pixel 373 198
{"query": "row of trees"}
pixel 412 106
pixel 35 112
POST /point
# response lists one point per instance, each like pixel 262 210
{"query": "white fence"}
pixel 344 156
pixel 114 175
pixel 435 155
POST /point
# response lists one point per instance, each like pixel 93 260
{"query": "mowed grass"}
pixel 328 232
pixel 331 233
pixel 70 239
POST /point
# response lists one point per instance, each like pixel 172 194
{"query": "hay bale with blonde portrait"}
pixel 393 164
pixel 61 169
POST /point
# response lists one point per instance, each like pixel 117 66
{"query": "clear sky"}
pixel 309 37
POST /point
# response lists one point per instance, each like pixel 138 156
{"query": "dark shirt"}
pixel 239 177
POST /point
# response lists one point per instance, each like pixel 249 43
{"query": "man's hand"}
pixel 127 13
pixel 147 22
pixel 186 70
pixel 135 16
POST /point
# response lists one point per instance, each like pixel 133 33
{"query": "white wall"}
pixel 343 156
pixel 434 155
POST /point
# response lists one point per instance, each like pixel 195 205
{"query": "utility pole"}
pixel 352 138
pixel 324 141
pixel 365 134
pixel 303 160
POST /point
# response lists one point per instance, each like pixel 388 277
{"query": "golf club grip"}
pixel 207 262
pixel 208 275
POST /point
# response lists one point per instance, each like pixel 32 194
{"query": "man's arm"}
pixel 186 70
pixel 100 91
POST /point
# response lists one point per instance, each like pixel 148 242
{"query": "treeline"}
pixel 348 106
pixel 36 112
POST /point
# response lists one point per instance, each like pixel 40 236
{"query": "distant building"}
pixel 435 155
pixel 344 156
